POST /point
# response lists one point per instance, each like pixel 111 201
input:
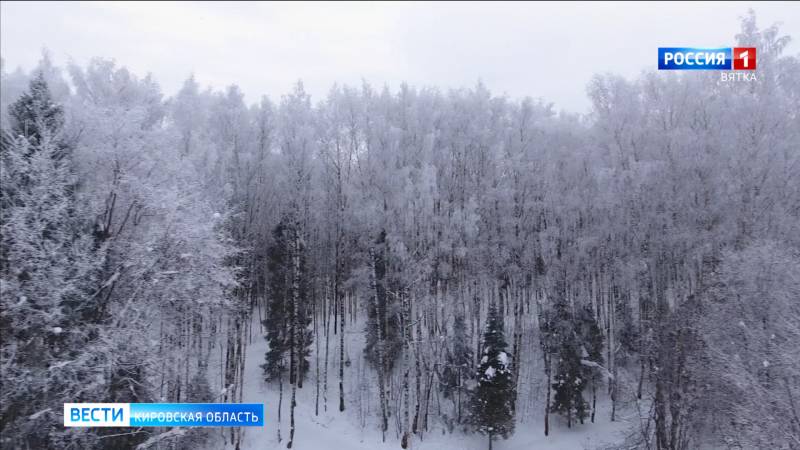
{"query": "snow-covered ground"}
pixel 342 431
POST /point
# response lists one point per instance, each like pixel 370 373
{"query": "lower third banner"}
pixel 163 414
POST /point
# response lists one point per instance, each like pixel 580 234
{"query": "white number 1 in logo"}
pixel 744 56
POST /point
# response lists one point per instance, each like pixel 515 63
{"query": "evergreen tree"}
pixel 33 118
pixel 48 272
pixel 590 335
pixel 492 407
pixel 387 313
pixel 278 323
pixel 35 115
pixel 628 332
pixel 568 383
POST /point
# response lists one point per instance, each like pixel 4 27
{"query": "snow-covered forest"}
pixel 405 266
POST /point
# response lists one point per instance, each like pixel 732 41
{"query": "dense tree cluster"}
pixel 115 265
pixel 493 411
pixel 498 260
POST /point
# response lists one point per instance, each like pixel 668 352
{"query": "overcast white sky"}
pixel 547 50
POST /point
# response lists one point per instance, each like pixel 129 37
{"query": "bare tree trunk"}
pixel 316 358
pixel 327 343
pixel 516 360
pixel 569 416
pixel 594 399
pixel 381 348
pixel 415 426
pixel 297 354
pixel 241 366
pixel 280 402
pixel 341 356
pixel 406 368
pixel 641 374
pixel 659 408
pixel 338 298
pixel 336 304
pixel 427 401
pixel 612 362
pixel 547 402
pixel 291 416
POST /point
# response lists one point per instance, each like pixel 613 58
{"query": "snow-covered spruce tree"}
pixel 278 323
pixel 50 347
pixel 628 331
pixel 492 404
pixel 277 320
pixel 383 326
pixel 568 383
pixel 35 115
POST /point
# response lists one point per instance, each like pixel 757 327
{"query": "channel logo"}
pixel 744 58
pixel 163 414
pixel 689 58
